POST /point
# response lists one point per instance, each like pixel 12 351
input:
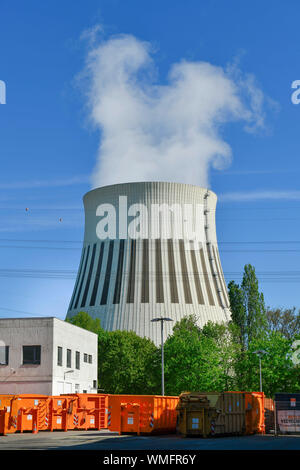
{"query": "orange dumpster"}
pixel 89 411
pixel 26 411
pixel 255 412
pixel 92 411
pixel 60 413
pixel 32 409
pixel 22 412
pixel 141 414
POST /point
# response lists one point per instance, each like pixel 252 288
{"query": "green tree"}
pixel 127 363
pixel 254 304
pixel 84 320
pixel 284 321
pixel 228 349
pixel 198 359
pixel 279 374
pixel 247 307
pixel 238 310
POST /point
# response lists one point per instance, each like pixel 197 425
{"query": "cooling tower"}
pixel 150 250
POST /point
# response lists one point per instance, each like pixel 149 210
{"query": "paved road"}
pixel 105 440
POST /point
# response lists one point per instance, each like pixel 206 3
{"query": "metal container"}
pixel 89 411
pixel 23 412
pixel 254 409
pixel 195 416
pixel 211 413
pixel 141 414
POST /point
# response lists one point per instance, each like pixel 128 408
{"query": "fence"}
pixel 287 413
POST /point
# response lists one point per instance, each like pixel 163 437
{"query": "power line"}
pixel 273 276
pixel 25 313
pixel 79 248
pixel 81 241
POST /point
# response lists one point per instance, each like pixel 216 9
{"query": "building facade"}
pixel 150 249
pixel 46 356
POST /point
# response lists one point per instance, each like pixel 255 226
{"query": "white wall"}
pixel 47 377
pixel 72 337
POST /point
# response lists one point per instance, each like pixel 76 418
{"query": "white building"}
pixel 46 356
pixel 150 249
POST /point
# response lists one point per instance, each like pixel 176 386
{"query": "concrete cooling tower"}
pixel 150 250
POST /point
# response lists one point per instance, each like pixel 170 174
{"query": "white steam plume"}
pixel 169 132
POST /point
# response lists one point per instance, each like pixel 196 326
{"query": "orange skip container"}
pixel 88 411
pixel 141 414
pixel 255 412
pixel 22 412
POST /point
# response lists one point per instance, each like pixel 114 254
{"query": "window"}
pixel 31 354
pixel 77 360
pixel 4 354
pixel 94 383
pixel 59 356
pixel 69 358
pixel 84 391
pixel 87 358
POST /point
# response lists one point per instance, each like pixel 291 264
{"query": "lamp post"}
pixel 260 353
pixel 162 320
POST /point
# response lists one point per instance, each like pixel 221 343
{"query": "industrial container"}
pixel 141 414
pixel 59 414
pixel 254 409
pixel 89 411
pixel 23 412
pixel 195 416
pixel 287 407
pixel 52 413
pixel 211 413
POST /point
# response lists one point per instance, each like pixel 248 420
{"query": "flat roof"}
pixel 48 318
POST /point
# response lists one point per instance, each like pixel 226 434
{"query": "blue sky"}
pixel 49 147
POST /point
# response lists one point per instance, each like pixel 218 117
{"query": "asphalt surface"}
pixel 106 440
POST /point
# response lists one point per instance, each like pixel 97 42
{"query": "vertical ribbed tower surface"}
pixel 138 261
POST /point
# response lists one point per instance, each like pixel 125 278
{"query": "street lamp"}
pixel 260 353
pixel 162 320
